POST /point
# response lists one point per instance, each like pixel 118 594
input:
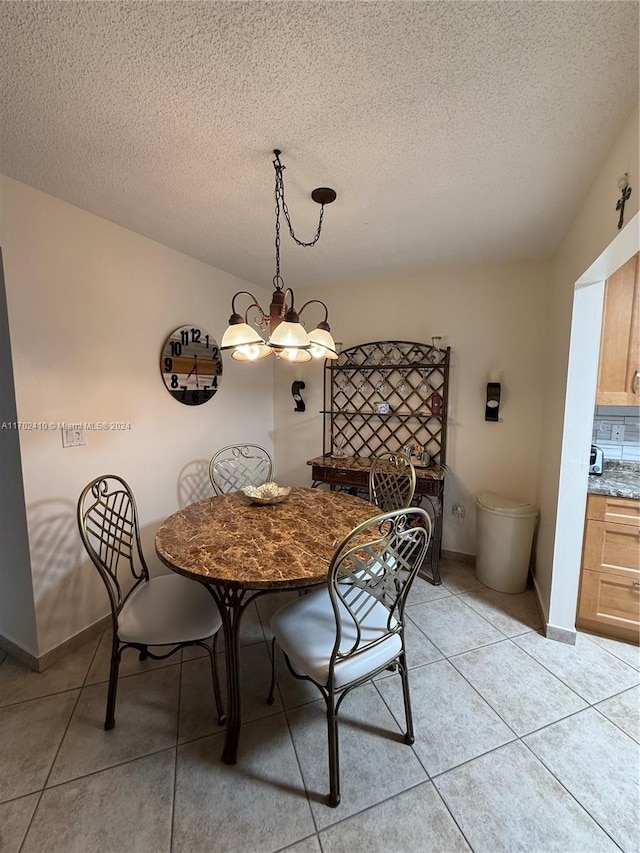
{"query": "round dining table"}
pixel 241 550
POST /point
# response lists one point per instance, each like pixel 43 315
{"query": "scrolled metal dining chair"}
pixel 164 611
pixel 338 637
pixel 238 465
pixel 392 481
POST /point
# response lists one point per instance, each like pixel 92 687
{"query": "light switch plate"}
pixel 72 435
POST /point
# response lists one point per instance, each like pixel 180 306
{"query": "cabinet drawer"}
pixel 612 548
pixel 615 510
pixel 340 478
pixel 610 600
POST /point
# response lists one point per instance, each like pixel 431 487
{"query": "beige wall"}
pixel 89 306
pixel 593 229
pixel 494 318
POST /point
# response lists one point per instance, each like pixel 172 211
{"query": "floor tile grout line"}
pixel 271 648
pixel 573 797
pixel 589 636
pixel 293 844
pixel 44 787
pixel 453 818
pixel 613 723
pixel 515 737
pixel 297 755
pixel 364 810
pixel 575 689
pixel 101 770
pixel 73 710
pixel 175 760
pixel 420 761
pixel 75 706
pixel 495 710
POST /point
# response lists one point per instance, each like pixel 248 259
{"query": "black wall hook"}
pixel 296 388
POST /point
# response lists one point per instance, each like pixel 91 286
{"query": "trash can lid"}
pixel 505 506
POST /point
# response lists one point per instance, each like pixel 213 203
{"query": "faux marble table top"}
pixel 620 479
pixel 241 544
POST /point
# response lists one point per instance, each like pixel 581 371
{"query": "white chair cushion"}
pixel 166 610
pixel 305 630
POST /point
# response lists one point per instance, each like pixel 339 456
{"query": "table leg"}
pixel 231 607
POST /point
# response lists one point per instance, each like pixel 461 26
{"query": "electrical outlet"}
pixel 617 432
pixel 458 510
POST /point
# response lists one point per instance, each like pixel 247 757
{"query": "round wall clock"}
pixel 191 365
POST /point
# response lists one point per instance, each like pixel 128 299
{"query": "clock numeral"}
pixel 206 393
pixel 206 337
pixel 168 365
pixel 183 388
pixel 195 398
pixel 195 336
pixel 176 347
pixel 214 382
pixel 219 368
pixel 215 352
pixel 174 381
pixel 184 337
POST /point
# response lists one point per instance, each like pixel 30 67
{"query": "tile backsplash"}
pixel 606 420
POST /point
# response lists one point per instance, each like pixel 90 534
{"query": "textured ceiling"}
pixel 450 130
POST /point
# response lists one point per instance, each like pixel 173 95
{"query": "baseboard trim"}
pixel 459 556
pixel 561 635
pixel 39 664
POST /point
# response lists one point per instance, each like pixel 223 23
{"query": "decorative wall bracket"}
pixel 625 189
pixel 296 389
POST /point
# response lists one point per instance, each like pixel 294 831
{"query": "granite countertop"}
pixel 621 479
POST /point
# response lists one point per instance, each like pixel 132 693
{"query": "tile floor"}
pixel 522 744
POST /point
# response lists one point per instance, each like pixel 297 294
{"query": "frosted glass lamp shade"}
pixel 294 355
pixel 322 344
pixel 287 335
pixel 240 335
pixel 251 352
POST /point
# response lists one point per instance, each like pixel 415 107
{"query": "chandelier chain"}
pixel 277 279
pixel 280 200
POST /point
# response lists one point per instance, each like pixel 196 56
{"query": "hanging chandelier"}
pixel 286 336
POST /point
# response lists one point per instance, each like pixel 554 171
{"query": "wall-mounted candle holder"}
pixel 492 406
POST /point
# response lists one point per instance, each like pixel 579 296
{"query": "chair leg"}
pixel 110 719
pixel 272 688
pixel 409 737
pixel 334 758
pixel 217 693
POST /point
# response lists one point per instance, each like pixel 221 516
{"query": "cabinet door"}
pixel 612 548
pixel 612 601
pixel 620 339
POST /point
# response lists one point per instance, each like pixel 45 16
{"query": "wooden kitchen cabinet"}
pixel 609 597
pixel 619 366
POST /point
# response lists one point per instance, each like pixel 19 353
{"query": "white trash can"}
pixel 504 536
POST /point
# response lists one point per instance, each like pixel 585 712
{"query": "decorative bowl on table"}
pixel 267 493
